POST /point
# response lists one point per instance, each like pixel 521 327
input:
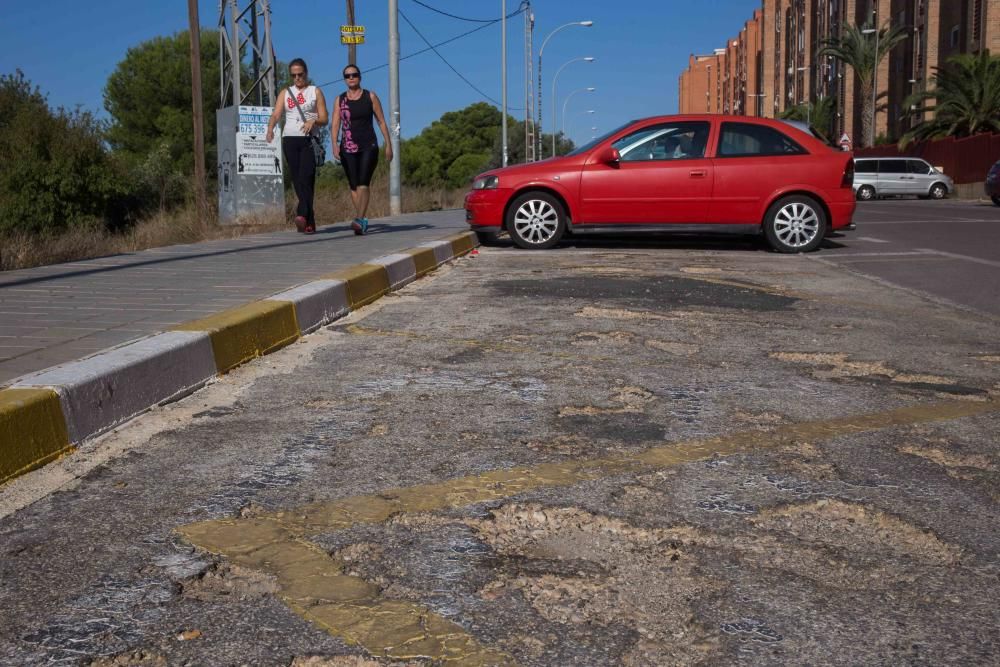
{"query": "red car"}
pixel 692 173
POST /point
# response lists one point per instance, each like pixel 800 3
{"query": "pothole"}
pixel 230 582
pixel 628 400
pixel 857 528
pixel 673 347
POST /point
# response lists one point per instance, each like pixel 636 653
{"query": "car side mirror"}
pixel 610 156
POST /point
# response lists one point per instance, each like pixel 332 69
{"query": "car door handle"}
pixel 698 173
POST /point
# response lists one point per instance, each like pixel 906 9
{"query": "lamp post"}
pixel 593 131
pixel 868 31
pixel 588 59
pixel 588 89
pixel 538 129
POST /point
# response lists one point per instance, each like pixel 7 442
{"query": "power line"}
pixel 429 48
pixel 445 61
pixel 463 18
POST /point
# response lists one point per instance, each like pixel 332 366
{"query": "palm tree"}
pixel 966 92
pixel 820 114
pixel 857 49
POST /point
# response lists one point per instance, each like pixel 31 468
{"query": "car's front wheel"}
pixel 536 221
pixel 938 191
pixel 866 193
pixel 795 224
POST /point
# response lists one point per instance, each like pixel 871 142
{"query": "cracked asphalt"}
pixel 606 454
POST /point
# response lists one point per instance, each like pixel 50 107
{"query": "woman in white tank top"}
pixel 295 142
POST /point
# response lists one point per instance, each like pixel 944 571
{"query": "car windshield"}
pixel 594 142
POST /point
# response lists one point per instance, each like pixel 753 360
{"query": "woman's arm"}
pixel 380 117
pixel 275 116
pixel 321 115
pixel 335 130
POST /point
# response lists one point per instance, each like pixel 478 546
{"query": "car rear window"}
pixel 752 140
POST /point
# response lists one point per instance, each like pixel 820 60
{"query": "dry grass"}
pixel 183 225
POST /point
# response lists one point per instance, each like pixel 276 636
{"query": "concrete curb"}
pixel 45 415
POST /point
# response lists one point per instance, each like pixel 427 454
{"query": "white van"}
pixel 876 177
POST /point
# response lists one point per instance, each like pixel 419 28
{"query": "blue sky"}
pixel 69 48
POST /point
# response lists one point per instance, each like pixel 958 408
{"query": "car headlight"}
pixel 486 183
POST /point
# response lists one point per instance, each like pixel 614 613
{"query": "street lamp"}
pixel 589 89
pixel 588 59
pixel 594 132
pixel 868 31
pixel 585 24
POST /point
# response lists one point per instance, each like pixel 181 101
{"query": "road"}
pixel 950 249
pixel 616 452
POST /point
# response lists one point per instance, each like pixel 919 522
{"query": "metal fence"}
pixel 966 160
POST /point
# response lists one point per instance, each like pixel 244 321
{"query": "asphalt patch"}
pixel 627 428
pixel 647 292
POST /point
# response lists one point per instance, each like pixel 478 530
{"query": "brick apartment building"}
pixel 773 63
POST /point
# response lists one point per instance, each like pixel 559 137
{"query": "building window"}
pixel 977 21
pixel 954 37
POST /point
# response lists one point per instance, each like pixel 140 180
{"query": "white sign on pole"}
pixel 255 156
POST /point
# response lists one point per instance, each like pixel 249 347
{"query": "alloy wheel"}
pixel 796 224
pixel 536 221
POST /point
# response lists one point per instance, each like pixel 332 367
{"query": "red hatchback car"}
pixel 692 173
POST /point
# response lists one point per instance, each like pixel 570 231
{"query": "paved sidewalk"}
pixel 54 314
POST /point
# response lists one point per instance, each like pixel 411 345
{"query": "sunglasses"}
pixel 298 75
pixel 352 75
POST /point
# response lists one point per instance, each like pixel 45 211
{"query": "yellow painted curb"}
pixel 462 243
pixel 365 283
pixel 32 430
pixel 423 259
pixel 246 332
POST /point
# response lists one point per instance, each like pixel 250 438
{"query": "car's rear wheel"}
pixel 938 191
pixel 866 193
pixel 536 221
pixel 996 201
pixel 795 224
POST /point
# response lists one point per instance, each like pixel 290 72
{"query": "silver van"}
pixel 876 177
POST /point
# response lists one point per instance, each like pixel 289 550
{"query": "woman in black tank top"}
pixel 355 143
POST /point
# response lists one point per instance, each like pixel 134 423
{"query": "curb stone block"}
pixel 108 388
pixel 246 332
pixel 463 243
pixel 32 430
pixel 365 283
pixel 316 303
pixel 442 251
pixel 400 267
pixel 423 259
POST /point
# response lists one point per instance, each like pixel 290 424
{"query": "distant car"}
pixel 690 173
pixel 993 183
pixel 899 176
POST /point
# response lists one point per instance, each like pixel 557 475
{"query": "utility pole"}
pixel 352 49
pixel 529 100
pixel 196 110
pixel 395 204
pixel 503 82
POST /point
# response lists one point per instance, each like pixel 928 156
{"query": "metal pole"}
pixel 538 101
pixel 197 115
pixel 395 203
pixel 352 49
pixel 503 81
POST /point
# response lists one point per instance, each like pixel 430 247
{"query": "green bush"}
pixel 55 172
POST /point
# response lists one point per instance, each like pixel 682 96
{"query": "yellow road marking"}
pixel 313 584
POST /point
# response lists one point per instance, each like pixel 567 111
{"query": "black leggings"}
pixel 359 166
pixel 302 167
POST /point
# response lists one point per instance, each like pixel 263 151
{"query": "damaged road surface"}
pixel 601 455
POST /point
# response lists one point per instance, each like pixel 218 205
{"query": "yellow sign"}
pixel 352 34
